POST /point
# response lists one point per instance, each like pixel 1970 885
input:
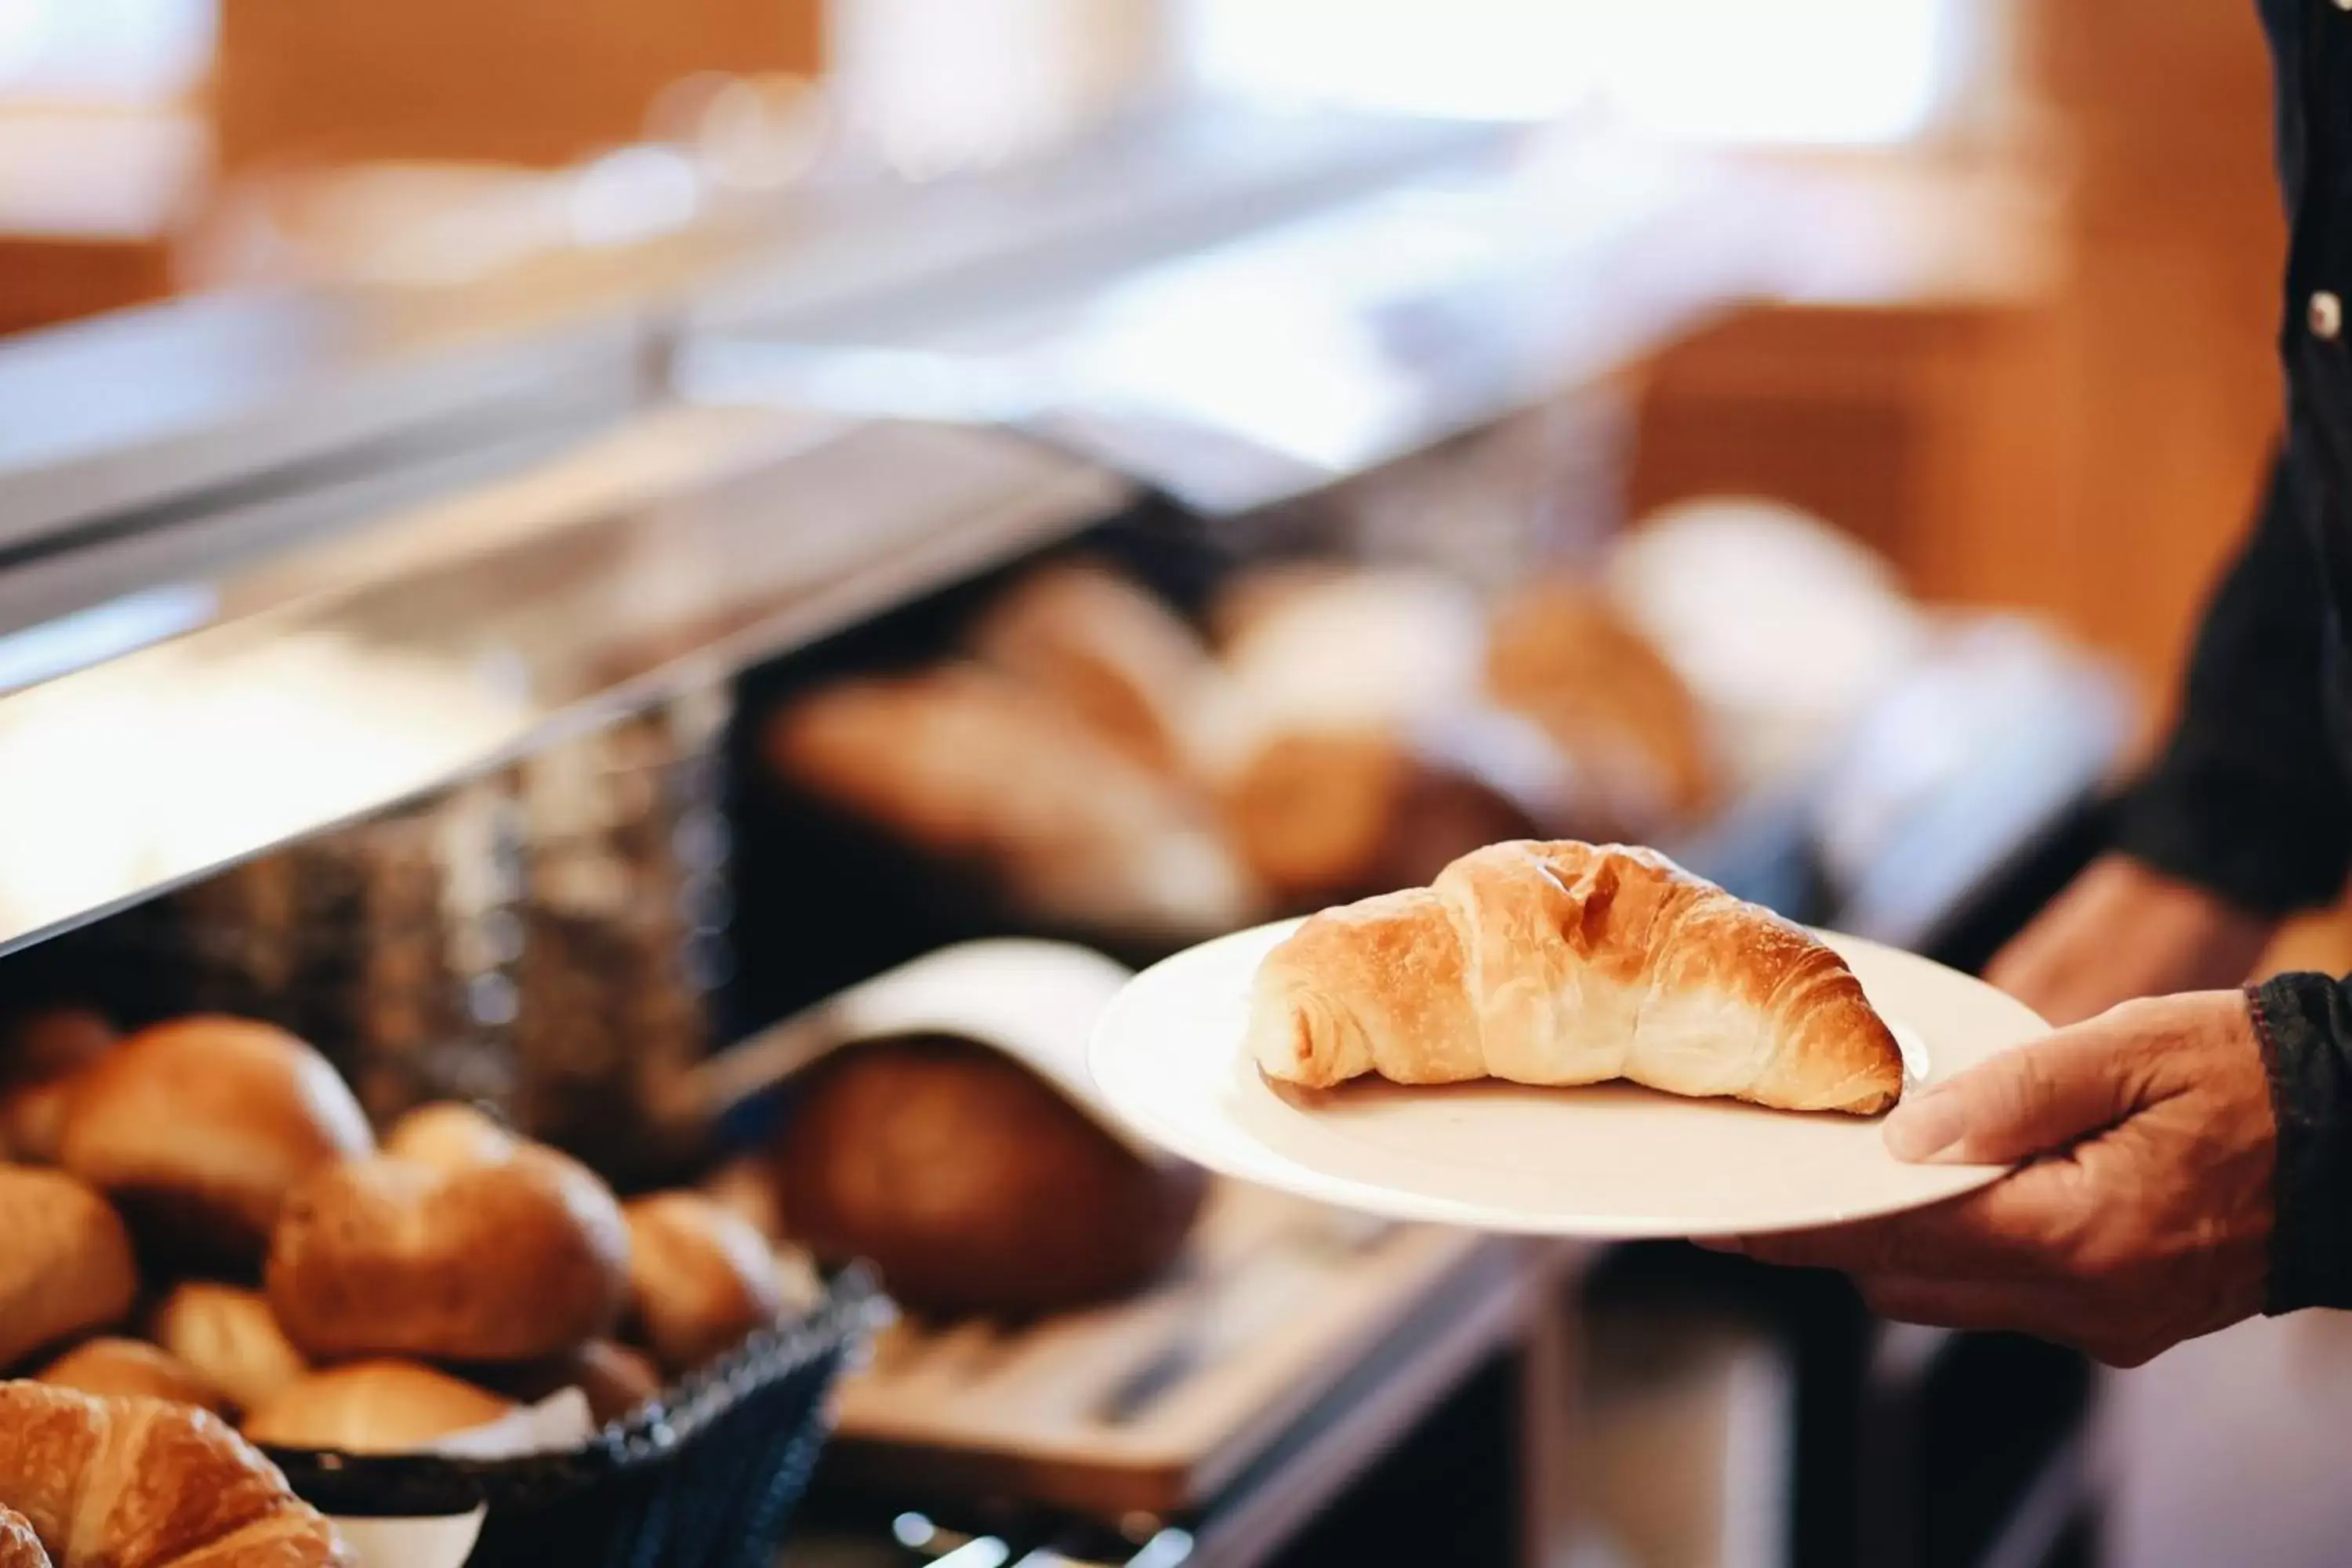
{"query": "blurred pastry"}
pixel 448 1135
pixel 746 1187
pixel 40 1053
pixel 1363 652
pixel 132 1368
pixel 374 1407
pixel 506 1262
pixel 972 1183
pixel 700 1279
pixel 1560 652
pixel 1784 628
pixel 965 763
pixel 199 1127
pixel 66 1268
pixel 1108 651
pixel 613 1378
pixel 230 1338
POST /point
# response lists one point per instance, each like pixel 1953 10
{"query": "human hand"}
pixel 2142 1217
pixel 2122 931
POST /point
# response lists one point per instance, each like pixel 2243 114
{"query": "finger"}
pixel 2025 1226
pixel 2029 1101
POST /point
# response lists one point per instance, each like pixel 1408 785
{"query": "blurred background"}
pixel 547 545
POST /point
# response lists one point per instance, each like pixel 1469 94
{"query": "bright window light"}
pixel 1741 70
pixel 104 50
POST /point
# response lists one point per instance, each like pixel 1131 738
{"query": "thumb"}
pixel 2024 1101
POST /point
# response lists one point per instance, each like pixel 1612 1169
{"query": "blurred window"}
pixel 103 51
pixel 1796 72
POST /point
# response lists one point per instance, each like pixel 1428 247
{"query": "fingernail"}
pixel 1922 1128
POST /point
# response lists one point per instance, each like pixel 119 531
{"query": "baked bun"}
pixel 199 1128
pixel 1108 651
pixel 40 1053
pixel 972 1183
pixel 132 1369
pixel 448 1135
pixel 66 1266
pixel 230 1338
pixel 700 1279
pixel 20 1547
pixel 613 1378
pixel 374 1407
pixel 513 1261
pixel 746 1187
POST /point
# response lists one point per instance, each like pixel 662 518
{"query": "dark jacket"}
pixel 2252 796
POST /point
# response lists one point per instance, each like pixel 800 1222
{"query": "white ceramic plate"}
pixel 1611 1161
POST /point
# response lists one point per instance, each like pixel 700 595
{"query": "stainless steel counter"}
pixel 230 711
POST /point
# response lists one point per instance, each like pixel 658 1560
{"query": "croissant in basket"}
pixel 138 1483
pixel 1568 963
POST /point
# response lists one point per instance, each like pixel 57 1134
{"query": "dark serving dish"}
pixel 705 1476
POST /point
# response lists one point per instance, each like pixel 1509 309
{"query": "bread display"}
pixel 969 765
pixel 972 1183
pixel 1109 652
pixel 40 1053
pixel 374 1407
pixel 700 1279
pixel 140 1483
pixel 1566 963
pixel 514 1260
pixel 199 1128
pixel 230 1338
pixel 613 1378
pixel 131 1368
pixel 66 1266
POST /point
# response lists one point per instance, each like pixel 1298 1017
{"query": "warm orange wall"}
pixel 534 81
pixel 2092 451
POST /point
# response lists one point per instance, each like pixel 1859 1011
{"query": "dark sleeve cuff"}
pixel 2304 1023
pixel 2215 832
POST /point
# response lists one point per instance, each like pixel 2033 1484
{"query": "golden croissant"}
pixel 138 1483
pixel 1571 963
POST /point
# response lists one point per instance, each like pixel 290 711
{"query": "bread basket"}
pixel 707 1475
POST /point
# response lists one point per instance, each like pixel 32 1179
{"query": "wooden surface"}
pixel 529 82
pixel 2085 441
pixel 1285 1297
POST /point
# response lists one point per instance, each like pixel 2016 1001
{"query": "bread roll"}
pixel 39 1056
pixel 231 1339
pixel 1566 963
pixel 965 764
pixel 513 1261
pixel 700 1279
pixel 613 1378
pixel 66 1266
pixel 20 1547
pixel 139 1483
pixel 972 1183
pixel 199 1128
pixel 1560 652
pixel 747 1187
pixel 1109 652
pixel 374 1407
pixel 448 1136
pixel 133 1368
